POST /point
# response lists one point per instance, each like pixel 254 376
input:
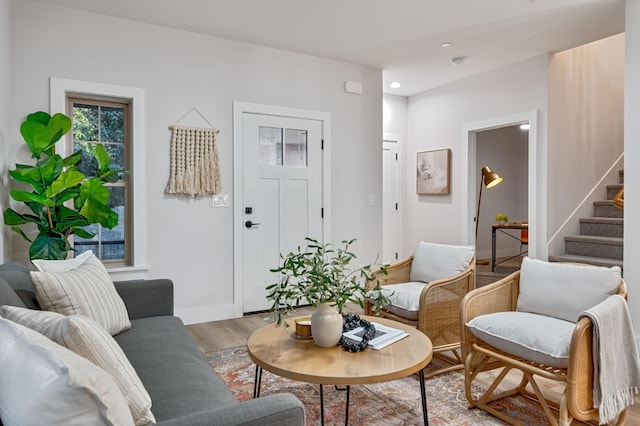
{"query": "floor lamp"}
pixel 488 179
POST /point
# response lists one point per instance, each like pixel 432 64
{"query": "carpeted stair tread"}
pixel 594 239
pixel 612 190
pixel 599 261
pixel 611 220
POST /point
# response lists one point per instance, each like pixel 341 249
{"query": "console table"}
pixel 504 228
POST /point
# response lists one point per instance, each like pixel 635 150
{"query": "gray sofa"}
pixel 184 389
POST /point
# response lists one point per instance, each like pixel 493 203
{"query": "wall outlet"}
pixel 220 200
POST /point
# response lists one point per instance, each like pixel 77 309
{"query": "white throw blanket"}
pixel 616 374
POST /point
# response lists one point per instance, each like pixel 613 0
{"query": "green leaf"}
pixel 30 175
pixel 93 189
pixel 39 117
pixel 83 233
pixel 25 197
pixel 102 156
pixel 12 217
pixel 68 219
pixel 36 135
pixel 68 179
pixel 49 247
pixel 51 169
pixel 110 176
pixel 73 159
pixel 59 125
pixel 21 232
pixel 96 212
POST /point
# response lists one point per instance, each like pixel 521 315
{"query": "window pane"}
pixel 295 148
pixel 88 164
pixel 111 124
pixel 270 146
pixel 113 242
pixel 85 122
pixel 116 153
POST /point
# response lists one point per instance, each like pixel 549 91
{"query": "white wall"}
pixel 436 119
pixel 632 159
pixel 586 123
pixel 504 150
pixel 189 241
pixel 394 115
pixel 5 104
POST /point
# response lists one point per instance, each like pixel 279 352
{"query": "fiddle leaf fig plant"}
pixel 61 200
pixel 321 273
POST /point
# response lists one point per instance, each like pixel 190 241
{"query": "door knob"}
pixel 249 224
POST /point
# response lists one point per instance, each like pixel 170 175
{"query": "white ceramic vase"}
pixel 326 326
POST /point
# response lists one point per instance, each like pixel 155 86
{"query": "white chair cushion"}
pixel 44 383
pixel 564 290
pixel 88 339
pixel 86 290
pixel 533 337
pixel 433 261
pixel 404 298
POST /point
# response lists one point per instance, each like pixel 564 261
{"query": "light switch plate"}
pixel 220 200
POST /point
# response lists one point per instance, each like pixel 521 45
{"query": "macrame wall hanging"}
pixel 195 168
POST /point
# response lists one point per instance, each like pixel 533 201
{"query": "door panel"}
pixel 391 225
pixel 282 178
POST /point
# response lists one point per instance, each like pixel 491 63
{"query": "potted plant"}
pixel 502 218
pixel 62 201
pixel 322 276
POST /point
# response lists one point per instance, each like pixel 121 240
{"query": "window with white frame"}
pixel 102 102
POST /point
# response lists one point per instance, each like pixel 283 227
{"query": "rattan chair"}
pixel 479 357
pixel 439 307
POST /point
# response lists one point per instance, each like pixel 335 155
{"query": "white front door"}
pixel 282 196
pixel 391 224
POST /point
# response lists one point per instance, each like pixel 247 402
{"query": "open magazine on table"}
pixel 384 335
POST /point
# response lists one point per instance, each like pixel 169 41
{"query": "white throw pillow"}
pixel 45 265
pixel 530 336
pixel 433 261
pixel 85 290
pixel 88 339
pixel 44 383
pixel 563 290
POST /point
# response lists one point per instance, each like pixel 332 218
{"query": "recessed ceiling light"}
pixel 458 60
pixel 395 85
pixel 524 126
pixel 445 44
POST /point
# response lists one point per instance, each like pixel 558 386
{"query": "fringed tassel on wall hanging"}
pixel 195 168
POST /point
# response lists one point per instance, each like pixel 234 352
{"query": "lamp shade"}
pixel 490 178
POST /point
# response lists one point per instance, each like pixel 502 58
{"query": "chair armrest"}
pixel 580 370
pixel 500 296
pixel 146 298
pixel 272 410
pixel 396 273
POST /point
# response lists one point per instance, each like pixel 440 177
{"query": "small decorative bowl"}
pixel 303 328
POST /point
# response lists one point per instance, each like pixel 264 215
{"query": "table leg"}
pixel 423 395
pixel 257 382
pixel 493 249
pixel 321 407
pixel 346 411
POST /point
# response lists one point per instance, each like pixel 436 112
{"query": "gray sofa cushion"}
pixel 17 275
pixel 172 369
pixel 8 295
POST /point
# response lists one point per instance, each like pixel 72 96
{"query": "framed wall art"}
pixel 433 170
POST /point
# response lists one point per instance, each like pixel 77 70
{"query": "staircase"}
pixel 601 237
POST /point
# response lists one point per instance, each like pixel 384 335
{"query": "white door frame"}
pixel 240 108
pixel 537 181
pixel 400 188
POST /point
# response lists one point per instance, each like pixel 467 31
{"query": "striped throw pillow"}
pixel 86 290
pixel 88 339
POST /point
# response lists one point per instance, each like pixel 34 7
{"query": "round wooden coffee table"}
pixel 277 350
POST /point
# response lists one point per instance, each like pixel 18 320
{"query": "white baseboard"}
pixel 206 313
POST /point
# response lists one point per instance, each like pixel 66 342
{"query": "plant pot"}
pixel 326 326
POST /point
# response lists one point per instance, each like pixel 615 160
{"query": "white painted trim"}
pixel 537 188
pixel 400 187
pixel 240 108
pixel 59 89
pixel 200 314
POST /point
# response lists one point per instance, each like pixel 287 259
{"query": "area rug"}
pixel 392 403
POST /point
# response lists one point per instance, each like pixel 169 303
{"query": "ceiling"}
pixel 401 37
